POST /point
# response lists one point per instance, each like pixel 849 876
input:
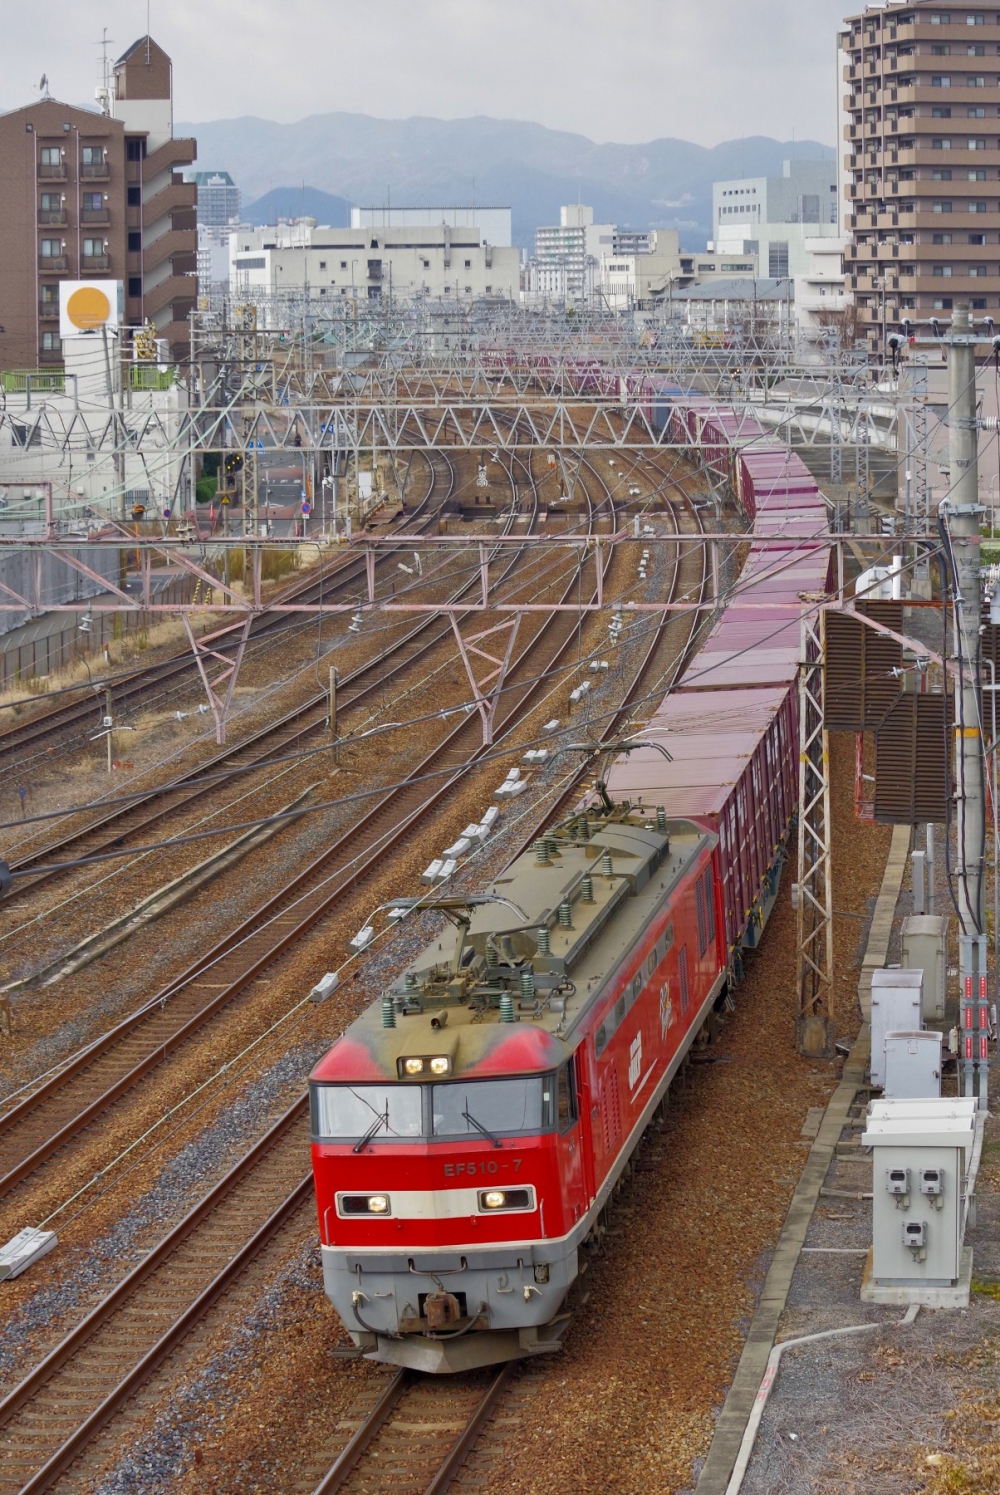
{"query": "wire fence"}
pixel 35 651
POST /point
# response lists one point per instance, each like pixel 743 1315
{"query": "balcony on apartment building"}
pixel 956 34
pixel 957 95
pixel 172 153
pixel 173 288
pixel 176 194
pixel 958 156
pixel 175 243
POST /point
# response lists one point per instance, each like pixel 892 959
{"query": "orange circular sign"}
pixel 88 308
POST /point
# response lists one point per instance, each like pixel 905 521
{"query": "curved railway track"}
pixel 74 720
pixel 51 1418
pixel 286 734
pixel 52 1116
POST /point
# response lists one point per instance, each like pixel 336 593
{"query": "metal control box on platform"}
pixel 912 1065
pixel 896 1008
pixel 920 1151
pixel 925 948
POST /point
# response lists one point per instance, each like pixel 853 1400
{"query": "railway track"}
pixel 642 676
pixel 288 733
pixel 73 721
pixel 418 1433
pixel 52 1116
pixel 51 1419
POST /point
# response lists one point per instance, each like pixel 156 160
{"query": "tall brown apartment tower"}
pixel 97 196
pixel 921 178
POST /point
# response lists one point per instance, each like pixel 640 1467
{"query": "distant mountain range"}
pixel 298 202
pixel 341 158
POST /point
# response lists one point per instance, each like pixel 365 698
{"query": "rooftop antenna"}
pixel 147 32
pixel 43 86
pixel 104 44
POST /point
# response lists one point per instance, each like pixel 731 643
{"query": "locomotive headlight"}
pixel 413 1066
pixel 439 1066
pixel 363 1204
pixel 506 1199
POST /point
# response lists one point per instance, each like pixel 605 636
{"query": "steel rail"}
pixel 88 1052
pixel 635 691
pixel 347 570
pixel 38 1125
pixel 462 1445
pixel 96 1417
pixel 348 1460
pixel 76 1440
pixel 352 1453
pixel 191 783
pixel 271 1164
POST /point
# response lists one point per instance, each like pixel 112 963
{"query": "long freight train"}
pixel 469 1128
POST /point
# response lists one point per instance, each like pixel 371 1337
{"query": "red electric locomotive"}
pixel 469 1128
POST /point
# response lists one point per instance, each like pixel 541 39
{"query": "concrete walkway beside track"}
pixel 729 1430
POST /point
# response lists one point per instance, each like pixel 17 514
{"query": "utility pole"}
pixel 109 723
pixel 960 519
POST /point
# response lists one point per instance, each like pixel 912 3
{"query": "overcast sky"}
pixel 623 70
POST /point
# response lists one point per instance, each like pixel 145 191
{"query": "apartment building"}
pixel 94 196
pixel 218 210
pixel 921 169
pixel 219 199
pixel 568 254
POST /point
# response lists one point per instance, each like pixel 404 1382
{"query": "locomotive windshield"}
pixel 352 1110
pixel 473 1108
pixel 497 1105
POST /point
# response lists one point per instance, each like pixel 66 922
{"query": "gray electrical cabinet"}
pixel 919 1152
pixel 912 1065
pixel 896 1008
pixel 925 948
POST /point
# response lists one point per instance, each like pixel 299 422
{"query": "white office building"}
pixel 493 225
pixel 821 292
pixel 771 218
pixel 432 260
pixel 634 280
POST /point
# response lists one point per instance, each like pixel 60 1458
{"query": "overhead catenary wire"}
pixel 466 707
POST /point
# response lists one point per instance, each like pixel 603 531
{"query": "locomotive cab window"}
pixel 491 1106
pixel 343 1113
pixel 565 1098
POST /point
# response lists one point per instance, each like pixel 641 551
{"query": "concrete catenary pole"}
pixel 961 516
